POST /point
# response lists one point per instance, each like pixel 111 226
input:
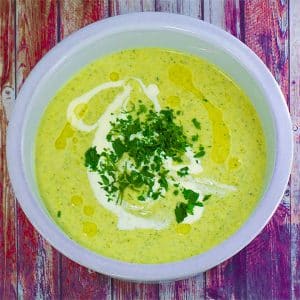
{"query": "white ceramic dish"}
pixel 141 30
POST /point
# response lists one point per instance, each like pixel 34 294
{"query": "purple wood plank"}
pixel 261 270
pixel 191 288
pixel 122 289
pixel 38 262
pixel 295 113
pixel 78 282
pixel 8 245
pixel 269 39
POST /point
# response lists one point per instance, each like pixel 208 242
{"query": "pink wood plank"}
pixel 38 262
pixel 78 282
pixel 119 7
pixel 295 113
pixel 269 39
pixel 77 14
pixel 123 289
pixel 191 288
pixel 8 248
pixel 261 270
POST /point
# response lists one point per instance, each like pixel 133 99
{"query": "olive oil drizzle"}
pixel 182 77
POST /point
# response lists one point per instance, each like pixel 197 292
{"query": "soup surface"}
pixel 149 156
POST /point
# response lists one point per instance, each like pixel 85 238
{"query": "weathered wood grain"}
pixel 191 288
pixel 79 13
pixel 227 280
pixel 8 245
pixel 123 289
pixel 38 262
pixel 295 114
pixel 78 282
pixel 254 272
pixel 120 7
pixel 269 268
pixel 268 257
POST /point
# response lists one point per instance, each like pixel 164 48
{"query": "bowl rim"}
pixel 165 271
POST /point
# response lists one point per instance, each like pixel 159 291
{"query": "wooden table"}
pixel 269 268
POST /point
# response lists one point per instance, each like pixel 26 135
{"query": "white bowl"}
pixel 143 30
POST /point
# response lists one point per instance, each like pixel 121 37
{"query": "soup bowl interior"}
pixel 135 31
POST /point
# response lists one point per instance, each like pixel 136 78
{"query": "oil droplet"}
pixel 76 200
pixel 183 228
pixel 80 110
pixel 173 101
pixel 182 77
pixel 88 210
pixel 66 133
pixel 89 228
pixel 114 76
pixel 74 140
pixel 234 163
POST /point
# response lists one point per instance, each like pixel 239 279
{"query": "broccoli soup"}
pixel 150 156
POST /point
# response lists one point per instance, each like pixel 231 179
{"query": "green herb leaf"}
pixel 59 214
pixel 92 158
pixel 105 180
pixel 180 212
pixel 183 172
pixel 200 153
pixel 195 138
pixel 142 109
pixel 190 195
pixel 206 197
pixel 196 123
pixel 119 147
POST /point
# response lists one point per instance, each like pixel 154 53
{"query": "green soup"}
pixel 150 156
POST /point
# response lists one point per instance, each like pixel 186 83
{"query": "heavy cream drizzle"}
pixel 126 220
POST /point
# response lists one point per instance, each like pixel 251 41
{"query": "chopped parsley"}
pixel 183 209
pixel 59 214
pixel 180 212
pixel 200 153
pixel 183 171
pixel 141 140
pixel 92 158
pixel 140 144
pixel 195 138
pixel 206 197
pixel 196 123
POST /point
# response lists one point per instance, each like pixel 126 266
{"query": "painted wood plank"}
pixel 78 282
pixel 8 246
pixel 79 13
pixel 269 39
pixel 191 288
pixel 38 262
pixel 295 114
pixel 228 280
pixel 120 7
pixel 261 270
pixel 122 289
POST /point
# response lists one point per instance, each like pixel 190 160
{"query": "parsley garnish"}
pixel 206 197
pixel 92 158
pixel 200 153
pixel 141 140
pixel 183 172
pixel 145 138
pixel 180 212
pixel 196 123
pixel 195 138
pixel 59 214
pixel 183 209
